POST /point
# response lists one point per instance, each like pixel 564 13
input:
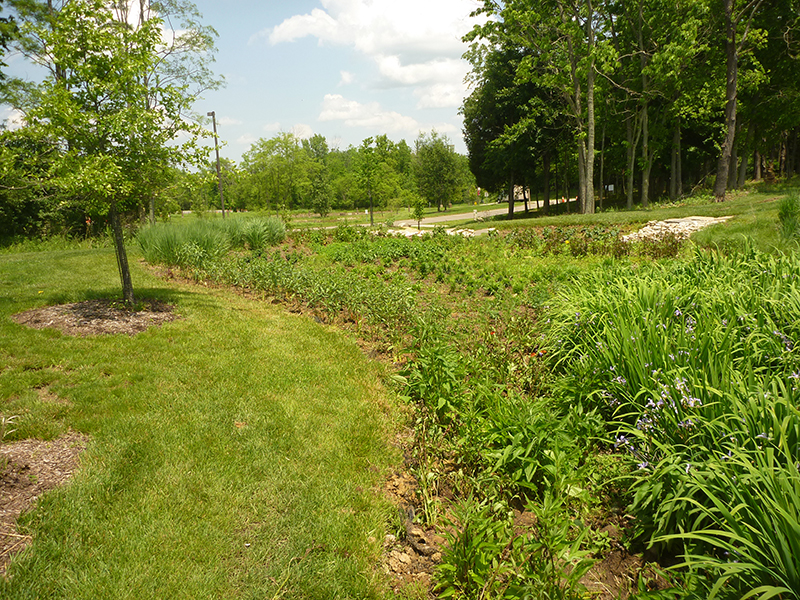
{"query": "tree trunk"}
pixel 647 156
pixel 732 58
pixel 733 173
pixel 602 162
pixel 782 154
pixel 632 133
pixel 546 170
pixel 587 202
pixel 511 197
pixel 122 256
pixel 582 184
pixel 371 219
pixel 751 132
pixel 757 165
pixel 673 168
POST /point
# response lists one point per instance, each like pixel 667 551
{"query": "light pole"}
pixel 213 116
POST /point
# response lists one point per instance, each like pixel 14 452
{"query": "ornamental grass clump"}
pixel 188 246
pixel 789 216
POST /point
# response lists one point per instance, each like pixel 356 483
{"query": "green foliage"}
pixel 694 366
pixel 682 362
pixel 436 171
pixel 418 209
pixel 195 244
pixel 789 216
pixel 487 558
pixel 435 380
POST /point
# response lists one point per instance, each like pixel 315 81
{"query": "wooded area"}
pixel 653 97
pixel 286 172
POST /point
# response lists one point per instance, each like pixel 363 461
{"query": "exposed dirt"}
pixel 97 317
pixel 29 468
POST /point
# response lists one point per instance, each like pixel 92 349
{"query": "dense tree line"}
pixel 650 98
pixel 287 173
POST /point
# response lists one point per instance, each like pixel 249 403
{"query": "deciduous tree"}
pixel 115 127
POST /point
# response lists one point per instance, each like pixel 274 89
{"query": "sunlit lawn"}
pixel 235 452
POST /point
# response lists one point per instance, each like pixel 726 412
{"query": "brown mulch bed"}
pixel 29 468
pixel 97 317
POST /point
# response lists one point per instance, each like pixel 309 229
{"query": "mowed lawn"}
pixel 237 452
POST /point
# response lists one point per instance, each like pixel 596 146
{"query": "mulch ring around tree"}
pixel 98 317
pixel 29 468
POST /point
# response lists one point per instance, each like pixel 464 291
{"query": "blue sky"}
pixel 346 69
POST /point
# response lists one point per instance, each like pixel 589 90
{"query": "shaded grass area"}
pixel 235 452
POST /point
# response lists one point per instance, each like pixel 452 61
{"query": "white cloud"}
pixel 246 139
pixel 439 95
pixel 11 118
pixel 228 121
pixel 412 27
pixel 272 127
pixel 414 43
pixel 354 114
pixel 347 78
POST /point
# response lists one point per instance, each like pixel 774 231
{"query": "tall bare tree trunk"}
pixel 647 155
pixel 602 163
pixel 525 196
pixel 632 132
pixel 751 131
pixel 723 165
pixel 732 49
pixel 511 197
pixel 587 204
pixel 675 183
pixel 733 173
pixel 546 173
pixel 757 165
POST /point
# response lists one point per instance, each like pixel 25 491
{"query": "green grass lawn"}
pixel 754 214
pixel 235 453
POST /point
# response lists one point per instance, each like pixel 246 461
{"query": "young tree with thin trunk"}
pixel 114 128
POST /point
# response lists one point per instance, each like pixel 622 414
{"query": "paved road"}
pixel 483 211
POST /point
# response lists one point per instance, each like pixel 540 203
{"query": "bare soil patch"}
pixel 29 468
pixel 98 317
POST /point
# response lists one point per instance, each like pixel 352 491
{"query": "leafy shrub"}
pixel 435 379
pixel 486 558
pixel 348 233
pixel 666 244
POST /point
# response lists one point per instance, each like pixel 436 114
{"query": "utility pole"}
pixel 213 116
